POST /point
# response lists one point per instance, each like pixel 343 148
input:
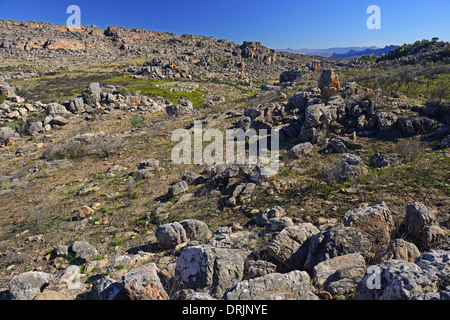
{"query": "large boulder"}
pixel 70 278
pixel 258 268
pixel 59 121
pixel 261 173
pixel 433 236
pixel 192 178
pixel 379 160
pixel 338 268
pixel 179 110
pixel 176 189
pixel 196 230
pixel 347 167
pixel 209 269
pixel 107 288
pixel 56 109
pixel 274 286
pixel 36 127
pixel 395 280
pixel 242 239
pixel 343 144
pixel 27 285
pixel 329 78
pixel 338 241
pixel 76 105
pixel 414 124
pixel 7 134
pixel 376 221
pixel 170 234
pixel 290 246
pixel 300 149
pixel 92 94
pixel 83 251
pixel 313 115
pixel 50 295
pixel 418 217
pixel 6 90
pixel 399 249
pixel 437 261
pixel 144 283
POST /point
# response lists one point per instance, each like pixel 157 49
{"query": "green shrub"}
pixel 137 120
pixel 120 266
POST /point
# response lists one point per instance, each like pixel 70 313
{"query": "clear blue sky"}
pixel 276 23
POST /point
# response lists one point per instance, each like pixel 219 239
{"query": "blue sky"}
pixel 276 23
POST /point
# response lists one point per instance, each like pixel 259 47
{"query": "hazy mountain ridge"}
pixel 326 52
pixel 356 54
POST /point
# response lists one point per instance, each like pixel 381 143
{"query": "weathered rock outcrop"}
pixel 376 221
pixel 209 269
pixel 336 242
pixel 290 246
pixel 143 283
pixel 27 285
pixel 275 286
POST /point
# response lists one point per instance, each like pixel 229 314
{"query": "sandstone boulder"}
pixel 395 280
pixel 209 269
pixel 176 189
pixel 300 149
pixel 376 221
pixel 144 283
pixel 338 268
pixel 170 234
pixel 275 286
pixel 83 251
pixel 418 217
pixel 338 241
pixel 196 230
pixel 329 78
pixel 290 246
pixel 27 285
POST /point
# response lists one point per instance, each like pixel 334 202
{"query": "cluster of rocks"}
pixel 110 97
pixel 188 56
pixel 360 259
pixel 232 185
pixel 183 107
pixel 332 116
pixel 35 117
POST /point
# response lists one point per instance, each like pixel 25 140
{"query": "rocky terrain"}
pixel 93 207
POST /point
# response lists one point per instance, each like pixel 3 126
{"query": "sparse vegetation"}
pixel 95 161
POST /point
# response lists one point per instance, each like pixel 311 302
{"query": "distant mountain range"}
pixel 352 54
pixel 344 52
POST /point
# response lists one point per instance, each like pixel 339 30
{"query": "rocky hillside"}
pixel 93 206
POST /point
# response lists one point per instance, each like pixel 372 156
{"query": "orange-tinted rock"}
pixel 64 44
pixel 329 78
